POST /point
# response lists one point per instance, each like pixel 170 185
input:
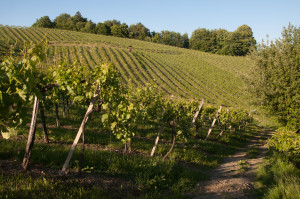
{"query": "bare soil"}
pixel 232 178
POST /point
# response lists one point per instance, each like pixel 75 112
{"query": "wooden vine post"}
pixel 213 123
pixel 32 130
pixel 157 139
pixel 81 130
pixel 197 113
pixel 31 135
pixel 56 115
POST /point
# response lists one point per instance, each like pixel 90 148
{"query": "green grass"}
pixel 244 166
pixel 278 178
pixel 137 174
pixel 253 152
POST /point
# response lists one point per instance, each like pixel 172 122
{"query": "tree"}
pixel 276 77
pixel 79 21
pixel 110 23
pixel 223 42
pixel 64 21
pixel 156 38
pixel 80 26
pixel 185 40
pixel 240 41
pixel 89 27
pixel 222 36
pixel 246 38
pixel 43 22
pixel 202 40
pixel 138 31
pixel 102 29
pixel 120 30
pixel 78 18
pixel 166 38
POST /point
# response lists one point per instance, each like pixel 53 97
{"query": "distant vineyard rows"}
pixel 179 72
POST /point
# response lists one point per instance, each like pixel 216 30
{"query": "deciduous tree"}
pixel 276 78
pixel 43 22
pixel 64 21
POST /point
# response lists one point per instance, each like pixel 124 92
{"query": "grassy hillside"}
pixel 180 72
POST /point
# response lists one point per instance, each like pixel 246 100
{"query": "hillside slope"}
pixel 180 72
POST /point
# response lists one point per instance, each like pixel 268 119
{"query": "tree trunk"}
pixel 46 140
pixel 81 130
pixel 157 139
pixel 31 134
pixel 213 123
pixel 173 141
pixel 57 116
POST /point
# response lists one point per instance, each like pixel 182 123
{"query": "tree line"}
pixel 218 41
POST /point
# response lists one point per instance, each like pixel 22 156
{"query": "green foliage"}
pixel 278 178
pixel 43 22
pixel 138 31
pixel 119 30
pixel 64 21
pixel 237 43
pixel 102 29
pixel 202 40
pixel 276 77
pixel 19 78
pixel 78 18
pixel 171 38
pixel 287 143
pixel 241 41
pixel 90 27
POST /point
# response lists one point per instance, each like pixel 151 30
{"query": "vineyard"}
pixel 179 72
pixel 149 120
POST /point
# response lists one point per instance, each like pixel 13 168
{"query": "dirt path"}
pixel 235 177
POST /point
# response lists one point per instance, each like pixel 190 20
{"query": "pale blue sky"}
pixel 263 16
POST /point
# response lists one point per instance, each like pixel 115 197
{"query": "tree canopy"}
pixel 221 41
pixel 138 31
pixel 276 79
pixel 64 21
pixel 43 22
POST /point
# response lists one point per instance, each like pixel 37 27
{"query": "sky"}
pixel 265 17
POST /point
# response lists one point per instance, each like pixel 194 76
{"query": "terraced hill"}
pixel 180 72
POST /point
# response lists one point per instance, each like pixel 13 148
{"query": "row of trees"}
pixel 222 41
pixel 219 41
